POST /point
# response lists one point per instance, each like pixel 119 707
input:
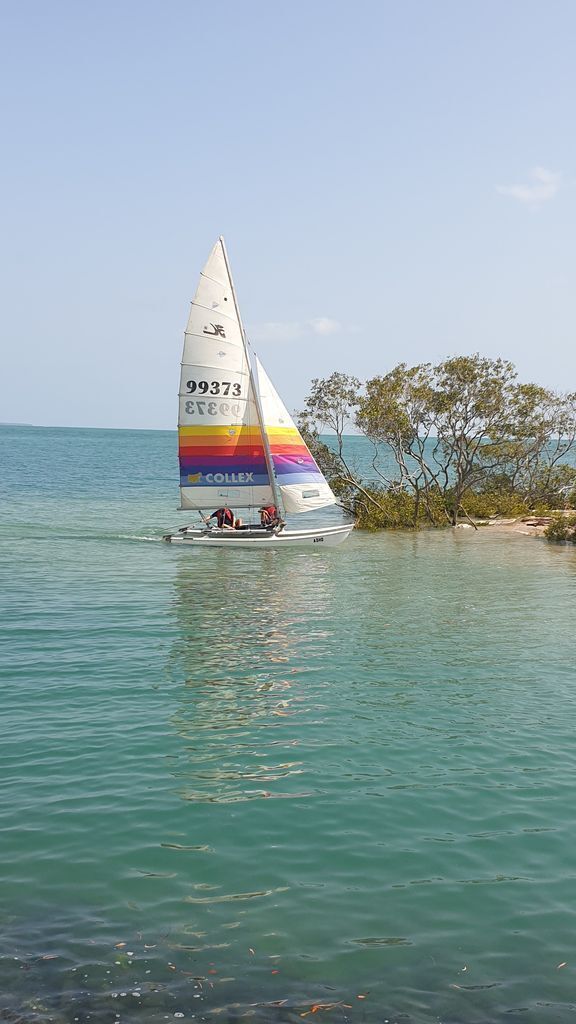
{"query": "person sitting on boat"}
pixel 224 518
pixel 269 516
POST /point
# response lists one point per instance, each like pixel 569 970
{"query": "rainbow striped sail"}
pixel 302 485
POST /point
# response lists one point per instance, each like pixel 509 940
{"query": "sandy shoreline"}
pixel 530 526
pixel 515 526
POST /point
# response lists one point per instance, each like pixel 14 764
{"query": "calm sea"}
pixel 334 785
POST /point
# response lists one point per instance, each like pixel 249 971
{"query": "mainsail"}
pixel 238 444
pixel 221 449
pixel 302 485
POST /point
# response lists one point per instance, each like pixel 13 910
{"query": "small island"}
pixel 460 443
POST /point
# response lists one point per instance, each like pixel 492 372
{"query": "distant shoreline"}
pixel 43 426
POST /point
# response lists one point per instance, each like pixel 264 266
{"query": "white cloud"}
pixel 543 187
pixel 290 330
pixel 324 325
pixel 275 331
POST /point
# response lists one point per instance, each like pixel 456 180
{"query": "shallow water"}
pixel 269 782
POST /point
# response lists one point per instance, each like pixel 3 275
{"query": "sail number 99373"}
pixel 214 387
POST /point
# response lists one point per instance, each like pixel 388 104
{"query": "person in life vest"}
pixel 224 518
pixel 269 516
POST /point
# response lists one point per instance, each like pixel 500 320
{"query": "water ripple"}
pixel 275 782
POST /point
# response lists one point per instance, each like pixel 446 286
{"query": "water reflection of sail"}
pixel 245 641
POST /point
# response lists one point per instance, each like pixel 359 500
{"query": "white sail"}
pixel 301 483
pixel 238 445
pixel 222 460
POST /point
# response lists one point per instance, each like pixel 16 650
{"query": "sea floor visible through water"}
pixel 279 785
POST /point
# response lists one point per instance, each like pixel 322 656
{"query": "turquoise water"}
pixel 249 783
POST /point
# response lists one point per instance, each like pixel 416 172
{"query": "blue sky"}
pixel 395 182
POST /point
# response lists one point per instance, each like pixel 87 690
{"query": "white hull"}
pixel 328 536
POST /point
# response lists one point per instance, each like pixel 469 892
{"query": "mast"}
pixel 255 389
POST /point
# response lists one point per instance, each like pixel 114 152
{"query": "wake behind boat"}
pixel 239 448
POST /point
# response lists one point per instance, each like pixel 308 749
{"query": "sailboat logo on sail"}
pixel 216 332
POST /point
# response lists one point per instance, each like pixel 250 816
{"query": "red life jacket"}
pixel 270 513
pixel 224 517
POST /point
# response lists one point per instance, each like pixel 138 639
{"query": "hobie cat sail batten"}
pixel 238 445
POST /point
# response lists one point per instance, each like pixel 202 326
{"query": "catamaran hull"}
pixel 327 537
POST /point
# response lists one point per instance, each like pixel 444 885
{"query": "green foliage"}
pixel 562 528
pixel 468 440
pixel 446 424
pixel 393 509
pixel 331 404
pixel 547 487
pixel 487 504
pixel 555 486
pixel 397 509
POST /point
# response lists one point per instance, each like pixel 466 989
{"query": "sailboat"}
pixel 239 448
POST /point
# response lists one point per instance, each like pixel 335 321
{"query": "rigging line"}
pixel 276 493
